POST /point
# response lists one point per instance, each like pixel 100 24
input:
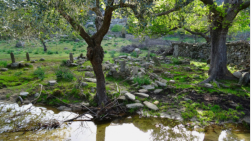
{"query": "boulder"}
pixel 150 106
pixel 83 84
pixel 32 61
pixel 14 65
pixel 245 79
pixel 237 74
pixel 20 44
pixel 208 85
pixel 130 96
pixel 42 59
pixel 134 105
pixel 28 64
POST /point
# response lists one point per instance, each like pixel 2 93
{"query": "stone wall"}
pixel 238 53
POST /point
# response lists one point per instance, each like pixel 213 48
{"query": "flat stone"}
pixel 208 85
pixel 83 84
pixel 150 105
pixel 3 69
pixel 74 64
pixel 24 93
pixel 32 61
pixel 89 74
pixel 158 91
pixel 134 105
pixel 42 59
pixel 141 95
pixel 91 80
pixel 171 81
pixel 52 82
pixel 85 104
pixel 237 74
pixel 64 108
pixel 122 98
pixel 130 96
pixel 161 84
pixel 148 87
pixel 143 90
pixel 163 81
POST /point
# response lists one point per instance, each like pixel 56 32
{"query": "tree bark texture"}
pixel 96 54
pixel 43 43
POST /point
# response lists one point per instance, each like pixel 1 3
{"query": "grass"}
pixel 141 80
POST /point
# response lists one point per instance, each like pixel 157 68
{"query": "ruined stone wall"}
pixel 238 53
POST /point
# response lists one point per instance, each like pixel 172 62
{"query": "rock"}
pixel 21 65
pixel 20 44
pixel 237 74
pixel 148 87
pixel 91 80
pixel 187 99
pixel 64 108
pixel 85 104
pixel 3 69
pixel 134 105
pixel 246 119
pixel 24 93
pixel 163 81
pixel 141 95
pixel 156 102
pixel 28 64
pixel 32 61
pixel 157 91
pixel 156 61
pixel 92 89
pixel 187 69
pixel 52 82
pixel 74 64
pixel 208 85
pixel 143 90
pixel 130 96
pixel 14 65
pixel 208 61
pixel 89 74
pixel 150 105
pixel 136 101
pixel 89 68
pixel 123 92
pixel 161 84
pixel 171 81
pixel 76 108
pixel 122 98
pixel 27 101
pixel 154 84
pixel 36 95
pixel 25 69
pixel 42 59
pixel 245 79
pixel 83 84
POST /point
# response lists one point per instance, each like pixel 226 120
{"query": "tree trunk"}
pixel 95 55
pixel 218 64
pixel 42 41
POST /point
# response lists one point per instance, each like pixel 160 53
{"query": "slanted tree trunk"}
pixel 43 43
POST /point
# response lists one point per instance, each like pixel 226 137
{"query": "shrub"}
pixel 39 73
pixel 9 51
pixel 73 49
pixel 142 80
pixel 3 64
pixel 49 52
pixel 134 54
pixel 152 55
pixel 117 28
pixel 63 73
pixel 176 61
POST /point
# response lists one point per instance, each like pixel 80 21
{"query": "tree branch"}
pixel 76 27
pixel 176 8
pixel 199 33
pixel 244 5
pixel 211 4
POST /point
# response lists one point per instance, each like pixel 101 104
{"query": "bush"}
pixel 141 80
pixel 49 52
pixel 117 28
pixel 176 61
pixel 134 54
pixel 18 73
pixel 39 73
pixel 9 51
pixel 3 64
pixel 112 53
pixel 73 49
pixel 63 73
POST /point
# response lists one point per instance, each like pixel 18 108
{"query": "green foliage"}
pixel 117 28
pixel 112 53
pixel 3 64
pixel 134 54
pixel 8 95
pixel 57 92
pixel 141 80
pixel 18 73
pixel 40 73
pixel 63 73
pixel 176 61
pixel 49 52
pixel 153 55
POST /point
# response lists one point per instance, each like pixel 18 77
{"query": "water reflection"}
pixel 127 129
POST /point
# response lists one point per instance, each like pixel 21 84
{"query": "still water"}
pixel 132 128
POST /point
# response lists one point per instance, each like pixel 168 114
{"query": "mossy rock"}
pixel 57 92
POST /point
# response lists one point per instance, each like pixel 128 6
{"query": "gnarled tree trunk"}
pixel 42 41
pixel 96 54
